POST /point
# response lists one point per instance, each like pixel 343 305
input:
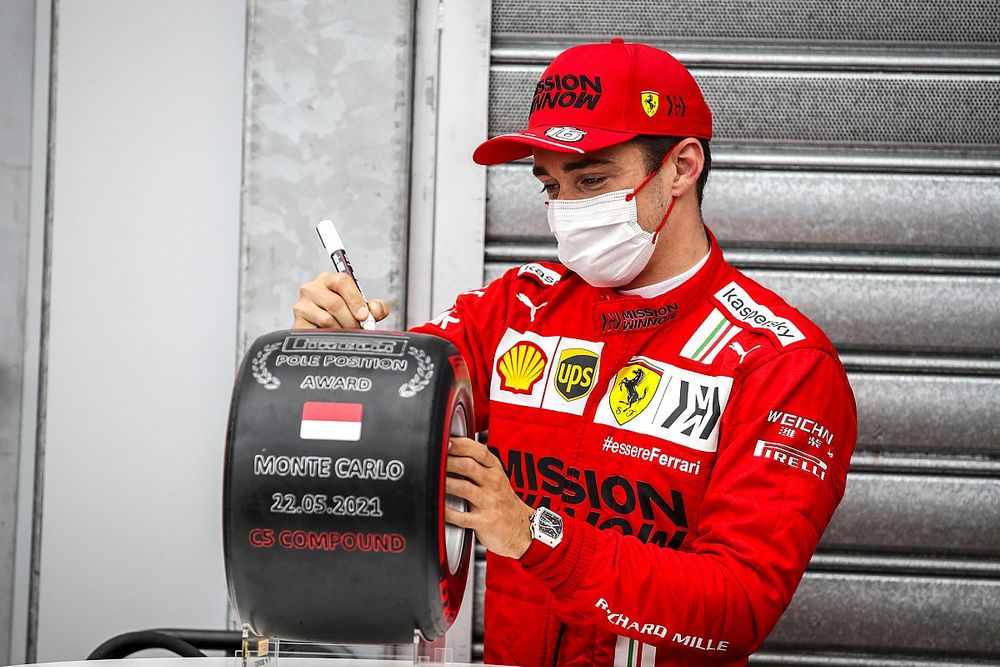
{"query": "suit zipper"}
pixel 555 654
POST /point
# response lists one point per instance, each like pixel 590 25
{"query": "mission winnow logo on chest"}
pixel 633 319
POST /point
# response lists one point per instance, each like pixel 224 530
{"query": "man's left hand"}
pixel 500 519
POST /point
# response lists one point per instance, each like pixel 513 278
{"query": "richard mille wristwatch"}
pixel 546 527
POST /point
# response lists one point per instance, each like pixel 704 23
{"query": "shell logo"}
pixel 521 367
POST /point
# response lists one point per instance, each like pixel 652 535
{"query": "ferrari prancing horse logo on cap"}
pixel 650 102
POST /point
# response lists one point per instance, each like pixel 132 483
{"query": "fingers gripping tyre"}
pixel 333 505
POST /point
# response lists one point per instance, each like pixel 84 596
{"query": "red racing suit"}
pixel 696 445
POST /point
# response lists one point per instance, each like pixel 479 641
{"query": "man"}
pixel 668 439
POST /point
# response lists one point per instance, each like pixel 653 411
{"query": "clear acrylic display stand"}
pixel 264 652
pixel 431 654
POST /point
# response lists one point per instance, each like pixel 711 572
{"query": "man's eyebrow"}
pixel 585 163
pixel 573 166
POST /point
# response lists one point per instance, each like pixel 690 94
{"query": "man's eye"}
pixel 549 188
pixel 593 181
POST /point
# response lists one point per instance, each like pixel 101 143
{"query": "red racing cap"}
pixel 594 96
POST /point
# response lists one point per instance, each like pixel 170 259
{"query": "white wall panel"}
pixel 16 54
pixel 142 318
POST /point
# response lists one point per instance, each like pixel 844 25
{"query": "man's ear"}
pixel 690 160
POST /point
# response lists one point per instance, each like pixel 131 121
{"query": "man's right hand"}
pixel 333 301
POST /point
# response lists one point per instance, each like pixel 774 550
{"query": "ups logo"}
pixel 575 373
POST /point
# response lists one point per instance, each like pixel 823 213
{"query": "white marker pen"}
pixel 335 248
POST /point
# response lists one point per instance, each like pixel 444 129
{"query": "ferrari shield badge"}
pixel 634 388
pixel 650 102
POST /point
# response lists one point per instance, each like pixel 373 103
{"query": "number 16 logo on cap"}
pixel 568 135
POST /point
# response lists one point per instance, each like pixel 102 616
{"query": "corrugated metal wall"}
pixel 857 173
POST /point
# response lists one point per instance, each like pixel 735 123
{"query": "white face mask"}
pixel 600 238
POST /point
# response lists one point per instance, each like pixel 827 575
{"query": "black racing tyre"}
pixel 333 499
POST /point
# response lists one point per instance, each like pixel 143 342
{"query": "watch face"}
pixel 547 527
pixel 550 524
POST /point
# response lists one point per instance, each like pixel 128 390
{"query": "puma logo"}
pixel 532 307
pixel 738 349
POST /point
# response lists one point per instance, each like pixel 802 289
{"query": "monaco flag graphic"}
pixel 331 421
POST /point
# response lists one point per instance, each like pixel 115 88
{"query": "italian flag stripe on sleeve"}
pixel 710 338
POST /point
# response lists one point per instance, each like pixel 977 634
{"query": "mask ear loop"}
pixel 673 200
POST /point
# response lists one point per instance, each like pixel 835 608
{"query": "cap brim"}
pixel 517 145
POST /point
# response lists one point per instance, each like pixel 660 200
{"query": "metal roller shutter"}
pixel 857 173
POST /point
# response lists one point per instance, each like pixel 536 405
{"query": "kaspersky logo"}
pixel 576 373
pixel 736 300
pixel 633 390
pixel 521 367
